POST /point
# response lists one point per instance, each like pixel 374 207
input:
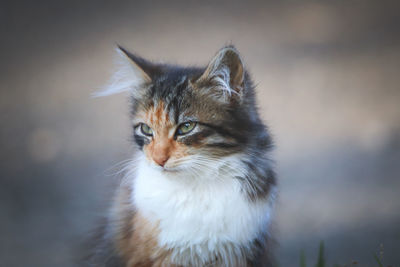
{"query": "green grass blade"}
pixel 378 260
pixel 302 259
pixel 321 257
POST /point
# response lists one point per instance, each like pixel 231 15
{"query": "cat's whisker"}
pixel 120 164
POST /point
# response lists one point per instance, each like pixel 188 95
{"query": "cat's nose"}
pixel 161 159
pixel 161 152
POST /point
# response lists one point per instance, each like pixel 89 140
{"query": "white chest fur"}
pixel 198 214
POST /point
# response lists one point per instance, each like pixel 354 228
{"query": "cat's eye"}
pixel 146 130
pixel 185 128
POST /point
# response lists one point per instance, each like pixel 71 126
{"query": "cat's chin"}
pixel 166 169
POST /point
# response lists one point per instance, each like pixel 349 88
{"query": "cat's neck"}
pixel 190 210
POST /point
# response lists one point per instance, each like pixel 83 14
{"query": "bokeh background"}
pixel 328 87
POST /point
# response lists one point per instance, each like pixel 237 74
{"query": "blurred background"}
pixel 328 87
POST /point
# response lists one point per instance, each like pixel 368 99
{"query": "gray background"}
pixel 328 87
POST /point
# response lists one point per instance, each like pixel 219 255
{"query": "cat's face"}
pixel 182 128
pixel 165 141
pixel 188 118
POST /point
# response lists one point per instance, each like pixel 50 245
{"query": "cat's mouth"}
pixel 166 169
pixel 169 170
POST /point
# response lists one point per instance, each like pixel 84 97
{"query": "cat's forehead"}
pixel 174 76
pixel 168 83
pixel 164 105
pixel 172 96
pixel 158 115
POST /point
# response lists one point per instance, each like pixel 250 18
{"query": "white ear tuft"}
pixel 128 77
pixel 226 74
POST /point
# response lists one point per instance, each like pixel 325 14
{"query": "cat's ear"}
pixel 133 73
pixel 224 75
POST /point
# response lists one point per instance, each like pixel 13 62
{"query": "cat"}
pixel 200 189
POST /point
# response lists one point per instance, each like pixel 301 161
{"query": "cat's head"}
pixel 188 118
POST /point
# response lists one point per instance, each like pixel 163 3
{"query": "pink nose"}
pixel 161 152
pixel 161 159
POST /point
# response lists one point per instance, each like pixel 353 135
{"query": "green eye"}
pixel 146 130
pixel 186 127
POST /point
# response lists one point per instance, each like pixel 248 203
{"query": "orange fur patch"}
pixel 136 239
pixel 163 145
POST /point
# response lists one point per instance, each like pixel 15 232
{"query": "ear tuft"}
pixel 129 76
pixel 225 72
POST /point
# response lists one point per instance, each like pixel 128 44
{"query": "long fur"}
pixel 212 202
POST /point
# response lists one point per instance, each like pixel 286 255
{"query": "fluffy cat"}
pixel 200 190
